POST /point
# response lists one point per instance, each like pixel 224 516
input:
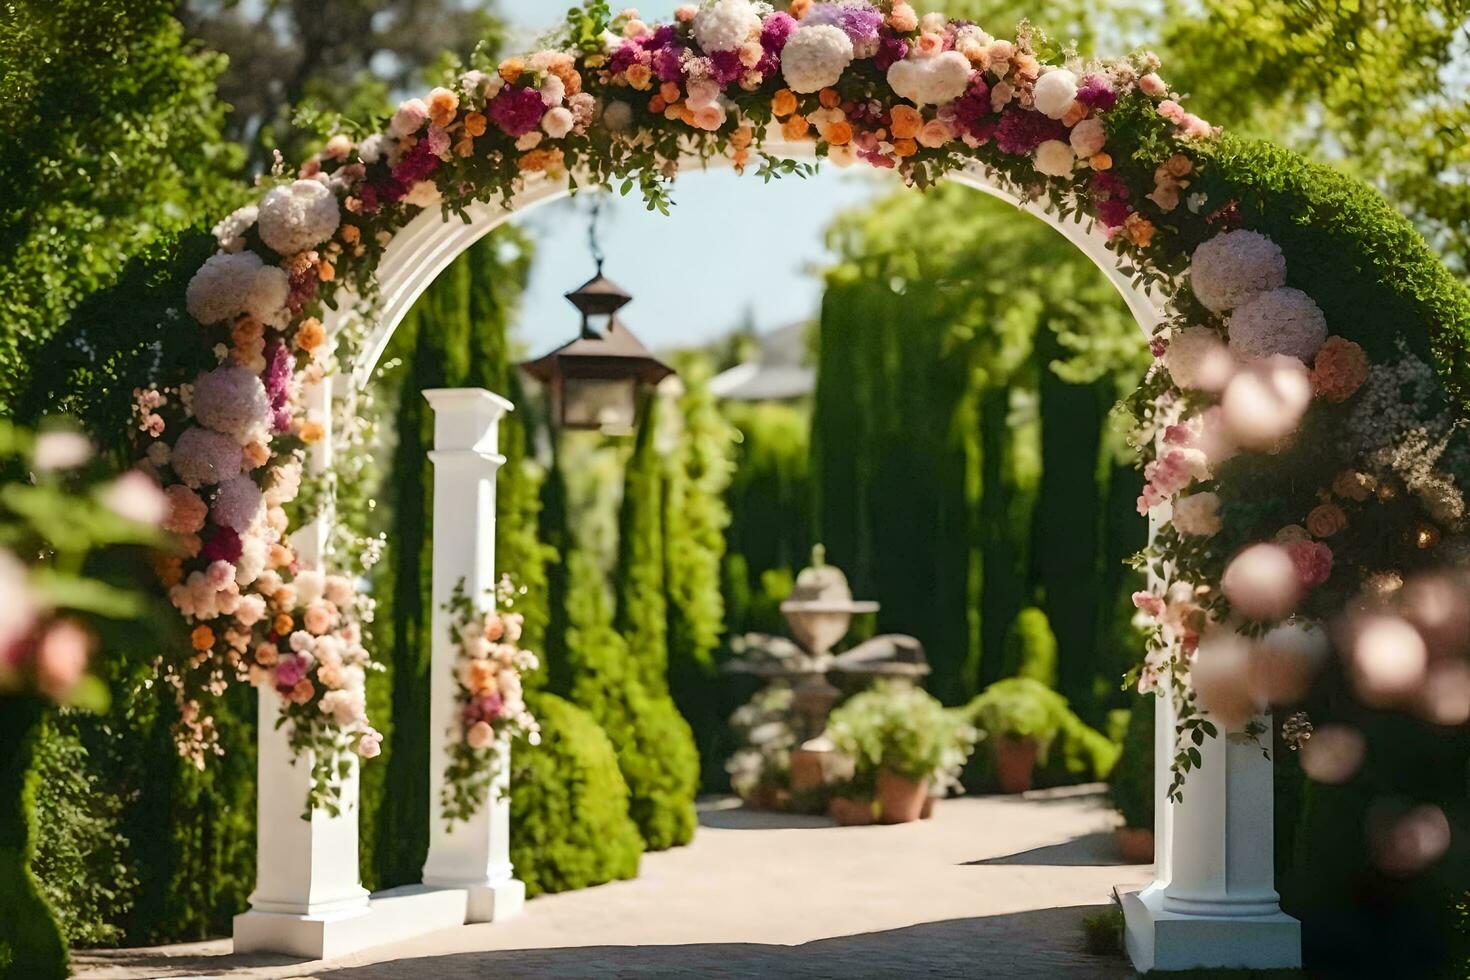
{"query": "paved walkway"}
pixel 991 887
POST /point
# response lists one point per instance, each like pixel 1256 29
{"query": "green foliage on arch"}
pixel 1367 266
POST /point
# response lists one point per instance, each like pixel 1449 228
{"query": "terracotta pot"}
pixel 850 812
pixel 1136 844
pixel 1015 763
pixel 900 800
pixel 928 812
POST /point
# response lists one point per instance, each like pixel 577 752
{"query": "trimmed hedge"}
pixel 1364 263
pixel 569 804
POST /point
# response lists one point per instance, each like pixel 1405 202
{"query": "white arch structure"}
pixel 1212 902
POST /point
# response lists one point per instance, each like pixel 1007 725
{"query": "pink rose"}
pixel 319 617
pixel 1313 561
pixel 370 746
pixel 480 735
pixel 1153 85
pixel 289 672
pixel 61 659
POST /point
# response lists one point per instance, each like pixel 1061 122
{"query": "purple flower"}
pixel 668 63
pixel 725 66
pixel 1022 131
pixel 486 707
pixel 1096 92
pixel 223 545
pixel 516 109
pixel 891 50
pixel 972 109
pixel 858 20
pixel 277 379
pixel 776 30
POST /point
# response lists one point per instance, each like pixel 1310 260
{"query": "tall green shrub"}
pixel 31 941
pixel 642 610
pixel 569 804
pixel 1031 647
pixel 655 747
pixel 695 519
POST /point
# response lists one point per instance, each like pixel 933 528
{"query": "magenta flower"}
pixel 1022 131
pixel 223 545
pixel 1096 92
pixel 517 110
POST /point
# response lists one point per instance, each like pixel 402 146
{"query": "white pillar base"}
pixel 390 916
pixel 1157 939
pixel 495 901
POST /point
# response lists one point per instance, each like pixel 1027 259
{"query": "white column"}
pixel 1213 901
pixel 473 854
pixel 307 886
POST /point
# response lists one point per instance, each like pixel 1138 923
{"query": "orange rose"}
pixel 202 638
pixel 543 160
pixel 351 234
pixel 639 76
pixel 1100 161
pixel 280 556
pixel 830 98
pixel 1076 112
pixel 907 122
pixel 669 92
pixel 742 137
pixel 511 70
pixel 443 104
pixel 796 128
pixel 839 133
pixel 256 453
pixel 310 334
pixel 783 103
pixel 312 431
pixel 657 104
pixel 326 271
pixel 1140 230
pixel 905 148
pixel 474 124
pixel 799 8
pixel 283 624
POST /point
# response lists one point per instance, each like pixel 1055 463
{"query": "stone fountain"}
pixel 819 614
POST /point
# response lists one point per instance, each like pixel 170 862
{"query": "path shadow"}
pixel 728 813
pixel 1090 850
pixel 1044 943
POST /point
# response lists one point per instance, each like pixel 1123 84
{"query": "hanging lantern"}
pixel 595 380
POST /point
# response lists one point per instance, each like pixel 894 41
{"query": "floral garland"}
pixel 619 102
pixel 488 692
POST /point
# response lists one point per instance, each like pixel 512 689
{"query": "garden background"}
pixel 139 123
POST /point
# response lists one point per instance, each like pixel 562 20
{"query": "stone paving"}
pixel 991 887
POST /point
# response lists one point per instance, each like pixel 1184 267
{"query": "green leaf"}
pixel 86 595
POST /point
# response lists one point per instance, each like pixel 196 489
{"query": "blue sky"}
pixel 731 244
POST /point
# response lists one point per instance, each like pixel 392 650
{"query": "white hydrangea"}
pixel 1197 514
pixel 230 233
pixel 1197 358
pixel 1055 92
pixel 237 504
pixel 230 284
pixel 726 24
pixel 930 81
pixel 297 216
pixel 1232 267
pixel 232 400
pixel 1283 321
pixel 1054 159
pixel 815 57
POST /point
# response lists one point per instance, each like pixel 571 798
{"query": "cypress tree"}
pixel 695 518
pixel 642 612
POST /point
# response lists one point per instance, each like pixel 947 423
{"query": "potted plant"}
pixel 1018 716
pixel 1132 785
pixel 899 737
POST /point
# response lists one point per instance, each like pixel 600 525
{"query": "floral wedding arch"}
pixel 1296 454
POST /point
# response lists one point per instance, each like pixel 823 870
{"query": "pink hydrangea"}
pixel 237 504
pixel 204 457
pixel 232 400
pixel 1340 370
